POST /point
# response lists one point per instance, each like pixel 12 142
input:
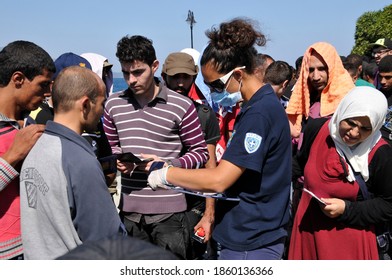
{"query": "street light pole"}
pixel 191 21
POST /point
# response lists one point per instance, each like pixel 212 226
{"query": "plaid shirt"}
pixel 7 172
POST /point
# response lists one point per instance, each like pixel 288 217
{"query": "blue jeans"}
pixel 272 251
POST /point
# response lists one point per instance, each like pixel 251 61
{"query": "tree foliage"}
pixel 370 27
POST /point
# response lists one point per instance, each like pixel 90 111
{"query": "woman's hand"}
pixel 334 208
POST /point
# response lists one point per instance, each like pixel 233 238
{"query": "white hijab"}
pixel 97 62
pixel 360 101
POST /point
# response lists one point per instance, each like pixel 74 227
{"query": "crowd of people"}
pixel 226 154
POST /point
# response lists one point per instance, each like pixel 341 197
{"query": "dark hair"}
pixel 355 59
pixel 278 72
pixel 370 69
pixel 351 68
pixel 134 48
pixel 262 58
pixel 71 84
pixel 232 45
pixel 25 57
pixel 298 62
pixel 385 65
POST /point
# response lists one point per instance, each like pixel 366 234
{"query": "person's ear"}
pixel 155 66
pixel 85 106
pixel 18 78
pixel 285 84
pixel 238 74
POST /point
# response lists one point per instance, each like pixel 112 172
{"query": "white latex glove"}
pixel 157 179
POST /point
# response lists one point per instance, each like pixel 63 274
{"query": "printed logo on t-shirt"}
pixel 252 142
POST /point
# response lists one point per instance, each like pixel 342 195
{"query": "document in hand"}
pixel 315 196
pixel 220 196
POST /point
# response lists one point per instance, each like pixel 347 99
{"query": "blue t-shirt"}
pixel 261 143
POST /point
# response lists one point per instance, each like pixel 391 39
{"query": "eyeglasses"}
pixel 380 52
pixel 219 85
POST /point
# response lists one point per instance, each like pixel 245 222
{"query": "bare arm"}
pixel 207 221
pixel 216 179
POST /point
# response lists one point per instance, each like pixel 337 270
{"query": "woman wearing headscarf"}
pixel 345 151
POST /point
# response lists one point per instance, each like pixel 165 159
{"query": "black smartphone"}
pixel 129 157
pixel 109 164
pixel 156 165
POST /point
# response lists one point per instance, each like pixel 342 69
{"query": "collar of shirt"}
pixel 162 95
pixel 5 119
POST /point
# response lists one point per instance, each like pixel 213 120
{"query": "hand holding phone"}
pixel 130 157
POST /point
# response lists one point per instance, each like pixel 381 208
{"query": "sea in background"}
pixel 119 84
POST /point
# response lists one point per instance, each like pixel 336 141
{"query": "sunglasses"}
pixel 219 85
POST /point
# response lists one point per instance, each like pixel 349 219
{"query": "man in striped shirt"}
pixel 150 120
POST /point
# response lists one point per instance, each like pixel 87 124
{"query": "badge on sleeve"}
pixel 252 142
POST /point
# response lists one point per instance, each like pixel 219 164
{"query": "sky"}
pixel 96 26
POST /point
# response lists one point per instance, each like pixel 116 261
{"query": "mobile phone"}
pixel 129 157
pixel 156 165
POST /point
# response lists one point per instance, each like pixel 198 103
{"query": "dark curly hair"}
pixel 134 48
pixel 232 45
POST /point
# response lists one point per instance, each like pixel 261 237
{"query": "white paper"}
pixel 315 196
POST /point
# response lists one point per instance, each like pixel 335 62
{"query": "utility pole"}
pixel 191 21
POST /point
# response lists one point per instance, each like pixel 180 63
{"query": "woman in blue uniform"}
pixel 256 166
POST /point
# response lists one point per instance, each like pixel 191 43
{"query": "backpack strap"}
pixel 203 112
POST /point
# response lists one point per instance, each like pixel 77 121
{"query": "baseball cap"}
pixel 69 59
pixel 383 42
pixel 179 62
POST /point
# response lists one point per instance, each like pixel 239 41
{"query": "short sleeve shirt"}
pixel 261 144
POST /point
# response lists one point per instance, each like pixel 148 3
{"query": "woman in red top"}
pixel 343 225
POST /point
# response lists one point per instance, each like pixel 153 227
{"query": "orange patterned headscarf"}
pixel 339 84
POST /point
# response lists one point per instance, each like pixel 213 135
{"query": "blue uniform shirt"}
pixel 261 143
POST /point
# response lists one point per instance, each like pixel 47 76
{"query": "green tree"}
pixel 372 26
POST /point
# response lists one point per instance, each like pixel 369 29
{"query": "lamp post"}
pixel 191 21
